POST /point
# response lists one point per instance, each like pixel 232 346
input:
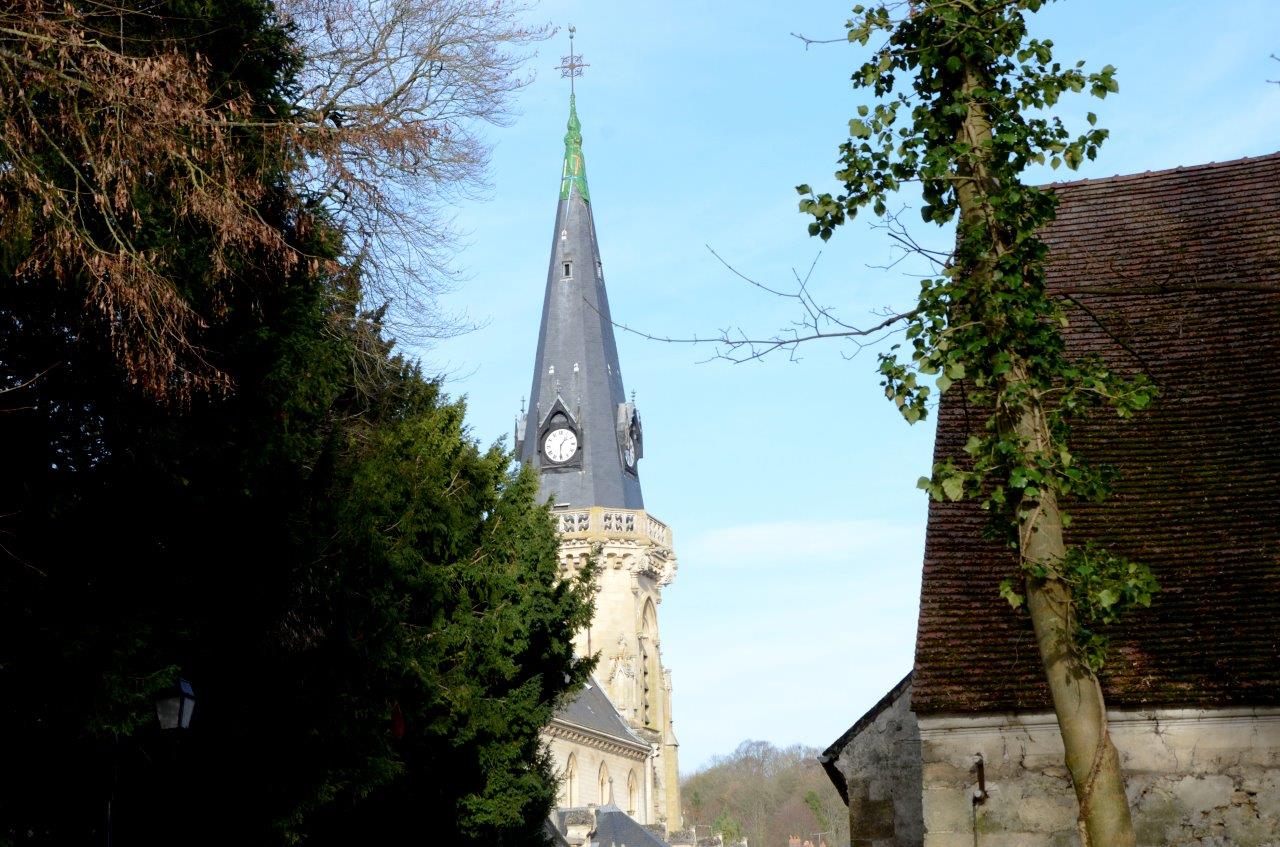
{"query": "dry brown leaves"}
pixel 88 135
pixel 386 130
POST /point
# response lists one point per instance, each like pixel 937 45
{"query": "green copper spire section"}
pixel 575 168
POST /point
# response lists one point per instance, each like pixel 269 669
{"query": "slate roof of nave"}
pixel 592 709
pixel 613 828
pixel 1150 260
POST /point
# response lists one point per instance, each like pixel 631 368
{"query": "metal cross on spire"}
pixel 571 66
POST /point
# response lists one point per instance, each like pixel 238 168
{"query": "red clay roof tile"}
pixel 1151 259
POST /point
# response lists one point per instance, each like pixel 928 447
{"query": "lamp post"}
pixel 175 707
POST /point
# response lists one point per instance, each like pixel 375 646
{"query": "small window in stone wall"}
pixel 568 269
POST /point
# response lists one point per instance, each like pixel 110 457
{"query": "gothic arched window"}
pixel 633 794
pixel 606 785
pixel 571 781
pixel 650 676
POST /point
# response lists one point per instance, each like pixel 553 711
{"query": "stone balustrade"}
pixel 601 523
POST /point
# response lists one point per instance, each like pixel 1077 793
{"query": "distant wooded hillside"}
pixel 767 794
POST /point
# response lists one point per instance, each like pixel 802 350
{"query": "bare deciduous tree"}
pixel 386 130
pixel 394 98
pixel 767 794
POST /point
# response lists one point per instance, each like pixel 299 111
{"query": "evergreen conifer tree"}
pixel 366 602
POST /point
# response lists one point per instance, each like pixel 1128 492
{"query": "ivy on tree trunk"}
pixel 965 99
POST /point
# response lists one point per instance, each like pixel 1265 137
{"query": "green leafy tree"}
pixel 965 105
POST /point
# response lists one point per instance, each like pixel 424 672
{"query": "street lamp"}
pixel 174 708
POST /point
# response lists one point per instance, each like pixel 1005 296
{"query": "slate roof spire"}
pixel 577 379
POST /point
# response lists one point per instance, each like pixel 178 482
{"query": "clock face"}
pixel 560 445
pixel 629 452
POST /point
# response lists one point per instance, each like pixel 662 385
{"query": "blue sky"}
pixel 790 485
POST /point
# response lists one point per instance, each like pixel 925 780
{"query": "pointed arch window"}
pixel 571 781
pixel 650 673
pixel 606 785
pixel 633 794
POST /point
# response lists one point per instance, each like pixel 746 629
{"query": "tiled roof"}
pixel 615 828
pixel 1150 260
pixel 610 827
pixel 591 709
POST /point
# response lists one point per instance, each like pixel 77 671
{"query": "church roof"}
pixel 576 370
pixel 592 709
pixel 615 828
pixel 1150 262
pixel 611 827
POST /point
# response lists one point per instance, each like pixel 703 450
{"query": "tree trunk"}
pixel 1077 697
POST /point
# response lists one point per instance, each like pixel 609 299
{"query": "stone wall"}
pixel 880 766
pixel 619 763
pixel 634 562
pixel 1209 778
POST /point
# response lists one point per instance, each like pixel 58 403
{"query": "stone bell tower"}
pixel 585 438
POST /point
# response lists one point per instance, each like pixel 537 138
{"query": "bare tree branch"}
pixel 816 322
pixel 25 383
pixel 1121 343
pixel 393 100
pixel 809 42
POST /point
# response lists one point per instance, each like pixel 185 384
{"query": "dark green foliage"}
pixel 366 603
pixel 451 624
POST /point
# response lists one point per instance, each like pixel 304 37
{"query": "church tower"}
pixel 584 437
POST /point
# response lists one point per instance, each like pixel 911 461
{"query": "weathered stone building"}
pixel 1176 273
pixel 615 743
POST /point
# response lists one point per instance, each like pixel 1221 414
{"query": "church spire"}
pixel 579 431
pixel 575 167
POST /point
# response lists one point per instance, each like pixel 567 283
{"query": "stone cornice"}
pixel 942 726
pixel 568 731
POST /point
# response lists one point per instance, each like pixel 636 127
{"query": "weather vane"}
pixel 571 66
